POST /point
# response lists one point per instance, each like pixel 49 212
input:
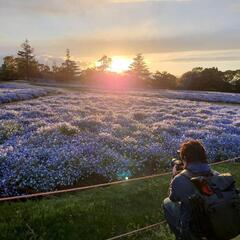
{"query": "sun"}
pixel 119 64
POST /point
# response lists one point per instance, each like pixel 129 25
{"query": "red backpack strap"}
pixel 202 186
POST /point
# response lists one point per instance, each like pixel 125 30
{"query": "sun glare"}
pixel 119 64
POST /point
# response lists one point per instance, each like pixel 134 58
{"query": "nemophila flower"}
pixel 63 139
pixel 16 92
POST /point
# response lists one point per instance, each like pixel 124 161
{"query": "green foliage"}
pixel 233 77
pixel 44 71
pixel 91 125
pixel 8 129
pixel 9 70
pixel 160 233
pixel 139 70
pixel 204 79
pixel 208 79
pixel 68 129
pixel 27 65
pixel 68 70
pixel 94 214
pixel 140 116
pixel 104 63
pixel 164 80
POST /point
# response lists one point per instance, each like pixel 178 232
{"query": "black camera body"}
pixel 178 163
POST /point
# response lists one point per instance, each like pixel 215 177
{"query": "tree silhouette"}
pixel 44 71
pixel 104 63
pixel 164 80
pixel 9 69
pixel 26 61
pixel 139 70
pixel 235 82
pixel 26 66
pixel 208 79
pixel 69 69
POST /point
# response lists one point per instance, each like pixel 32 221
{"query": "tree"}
pixel 139 70
pixel 208 79
pixel 9 68
pixel 54 70
pixel 69 69
pixel 43 68
pixel 164 80
pixel 230 74
pixel 233 77
pixel 104 63
pixel 44 71
pixel 188 80
pixel 235 82
pixel 26 62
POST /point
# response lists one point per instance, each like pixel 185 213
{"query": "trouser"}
pixel 172 215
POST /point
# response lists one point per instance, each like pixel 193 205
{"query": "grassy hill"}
pixel 94 214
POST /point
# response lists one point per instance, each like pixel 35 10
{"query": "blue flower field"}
pixel 56 139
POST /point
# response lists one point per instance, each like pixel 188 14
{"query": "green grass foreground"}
pixel 94 214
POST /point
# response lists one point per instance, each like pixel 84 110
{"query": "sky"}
pixel 173 35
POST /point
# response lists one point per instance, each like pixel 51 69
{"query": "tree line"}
pixel 25 66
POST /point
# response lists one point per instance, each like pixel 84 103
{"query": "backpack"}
pixel 215 207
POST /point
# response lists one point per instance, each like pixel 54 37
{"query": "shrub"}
pixel 139 116
pixel 9 129
pixel 89 124
pixel 67 129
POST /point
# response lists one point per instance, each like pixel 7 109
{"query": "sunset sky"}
pixel 173 35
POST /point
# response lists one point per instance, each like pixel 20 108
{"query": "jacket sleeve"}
pixel 175 189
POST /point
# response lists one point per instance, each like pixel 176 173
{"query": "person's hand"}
pixel 174 170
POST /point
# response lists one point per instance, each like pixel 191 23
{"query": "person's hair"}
pixel 193 151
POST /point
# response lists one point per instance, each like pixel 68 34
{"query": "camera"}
pixel 177 162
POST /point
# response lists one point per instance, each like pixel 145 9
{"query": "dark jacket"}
pixel 181 187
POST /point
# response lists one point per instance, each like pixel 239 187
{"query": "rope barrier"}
pixel 138 230
pixel 164 221
pixel 80 188
pixel 45 194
